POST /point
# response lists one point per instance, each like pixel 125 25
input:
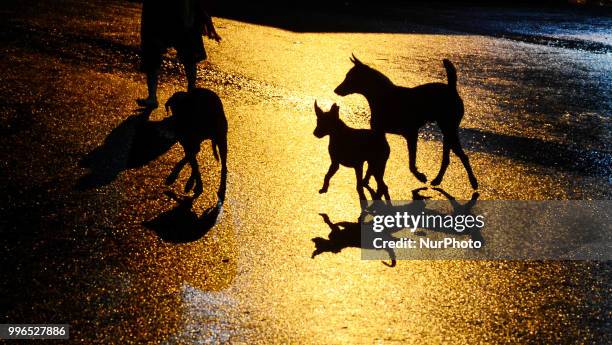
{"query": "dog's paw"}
pixel 420 176
pixel 322 190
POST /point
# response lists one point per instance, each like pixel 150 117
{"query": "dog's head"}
pixel 175 102
pixel 361 78
pixel 326 120
pixel 353 80
pixel 323 245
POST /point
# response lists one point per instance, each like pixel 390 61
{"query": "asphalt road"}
pixel 123 263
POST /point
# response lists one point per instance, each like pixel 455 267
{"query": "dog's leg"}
pixel 445 161
pixel 329 223
pixel 371 191
pixel 366 179
pixel 190 182
pixel 192 177
pixel 222 146
pixel 195 176
pixel 458 150
pixel 359 185
pixel 332 170
pixel 411 139
pixel 382 187
pixel 379 175
pixel 391 257
pixel 176 171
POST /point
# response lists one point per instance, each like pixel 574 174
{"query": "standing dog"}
pixel 402 110
pixel 352 147
pixel 199 115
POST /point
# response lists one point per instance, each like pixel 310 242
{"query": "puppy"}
pixel 352 147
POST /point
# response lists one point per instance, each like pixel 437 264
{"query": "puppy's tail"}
pixel 451 73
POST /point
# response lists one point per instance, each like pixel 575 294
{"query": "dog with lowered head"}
pixel 198 115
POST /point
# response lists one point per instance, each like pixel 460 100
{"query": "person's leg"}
pixel 190 50
pixel 191 72
pixel 152 78
pixel 151 64
pixel 151 100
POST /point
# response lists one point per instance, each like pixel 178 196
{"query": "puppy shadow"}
pixel 181 224
pixel 349 235
pixel 133 144
pixel 346 235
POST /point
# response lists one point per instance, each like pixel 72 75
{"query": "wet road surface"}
pixel 537 126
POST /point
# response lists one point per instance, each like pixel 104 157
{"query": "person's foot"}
pixel 149 103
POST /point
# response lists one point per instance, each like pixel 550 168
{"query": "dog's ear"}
pixel 355 60
pixel 169 103
pixel 335 108
pixel 318 110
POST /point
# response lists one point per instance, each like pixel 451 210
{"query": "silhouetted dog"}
pixel 199 115
pixel 346 235
pixel 352 147
pixel 402 110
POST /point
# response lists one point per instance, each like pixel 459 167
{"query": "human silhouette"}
pixel 173 23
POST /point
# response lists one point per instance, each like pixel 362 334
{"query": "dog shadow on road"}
pixel 181 224
pixel 196 116
pixel 348 234
pixel 134 143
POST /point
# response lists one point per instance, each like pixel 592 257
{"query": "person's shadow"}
pixel 133 144
pixel 348 234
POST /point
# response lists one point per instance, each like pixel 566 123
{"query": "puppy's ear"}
pixel 169 103
pixel 318 110
pixel 167 106
pixel 335 108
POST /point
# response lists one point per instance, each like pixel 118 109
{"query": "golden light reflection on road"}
pixel 251 278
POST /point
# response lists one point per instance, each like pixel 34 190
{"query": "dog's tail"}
pixel 451 73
